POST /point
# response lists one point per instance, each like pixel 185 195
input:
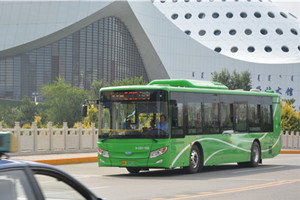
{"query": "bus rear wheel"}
pixel 255 156
pixel 195 161
pixel 133 170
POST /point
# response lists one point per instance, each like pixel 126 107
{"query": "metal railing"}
pixel 70 140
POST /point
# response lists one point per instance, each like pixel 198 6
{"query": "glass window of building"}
pixel 218 49
pixel 103 50
pixel 243 15
pixel 215 15
pixel 202 32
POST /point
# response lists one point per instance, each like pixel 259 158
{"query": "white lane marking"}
pixel 86 176
pixel 95 188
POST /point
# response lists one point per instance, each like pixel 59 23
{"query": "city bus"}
pixel 186 124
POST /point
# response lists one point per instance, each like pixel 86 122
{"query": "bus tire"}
pixel 195 160
pixel 255 154
pixel 133 170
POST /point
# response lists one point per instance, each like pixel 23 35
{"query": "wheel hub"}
pixel 194 159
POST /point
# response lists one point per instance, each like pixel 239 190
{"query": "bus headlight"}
pixel 103 153
pixel 158 152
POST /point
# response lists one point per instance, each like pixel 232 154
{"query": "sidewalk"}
pixel 74 158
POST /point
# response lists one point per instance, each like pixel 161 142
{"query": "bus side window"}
pixel 226 113
pixel 241 117
pixel 267 121
pixel 254 118
pixel 211 113
pixel 226 118
pixel 194 111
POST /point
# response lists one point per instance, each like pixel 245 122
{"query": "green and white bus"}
pixel 186 124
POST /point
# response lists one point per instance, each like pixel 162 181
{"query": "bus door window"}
pixel 117 121
pixel 105 115
pixel 194 113
pixel 177 115
pixel 105 120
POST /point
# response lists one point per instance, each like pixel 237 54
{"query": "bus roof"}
pixel 189 83
pixel 185 85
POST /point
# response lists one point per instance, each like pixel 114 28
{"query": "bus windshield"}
pixel 134 114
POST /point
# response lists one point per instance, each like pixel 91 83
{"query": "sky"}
pixel 292 6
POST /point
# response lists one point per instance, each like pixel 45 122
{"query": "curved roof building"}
pixel 84 41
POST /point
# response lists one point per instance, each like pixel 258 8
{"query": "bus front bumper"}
pixel 159 162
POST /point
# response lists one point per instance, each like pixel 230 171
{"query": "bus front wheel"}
pixel 195 161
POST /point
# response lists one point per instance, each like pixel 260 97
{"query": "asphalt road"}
pixel 275 179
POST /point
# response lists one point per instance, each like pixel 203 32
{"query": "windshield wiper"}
pixel 105 139
pixel 108 137
pixel 152 136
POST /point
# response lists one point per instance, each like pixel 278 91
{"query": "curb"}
pixel 65 161
pixel 290 152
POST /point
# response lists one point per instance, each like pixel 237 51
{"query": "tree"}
pixel 290 119
pixel 63 102
pixel 10 116
pixel 95 87
pixel 92 117
pixel 27 112
pixel 1 113
pixel 42 115
pixel 234 81
pixel 131 81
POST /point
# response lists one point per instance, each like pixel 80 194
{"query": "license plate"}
pixel 132 163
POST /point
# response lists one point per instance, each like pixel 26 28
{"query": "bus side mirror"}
pixel 84 111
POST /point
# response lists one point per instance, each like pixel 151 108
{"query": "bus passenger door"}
pixel 178 127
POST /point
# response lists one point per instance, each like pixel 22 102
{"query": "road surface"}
pixel 275 179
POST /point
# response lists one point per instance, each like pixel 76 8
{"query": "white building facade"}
pixel 84 41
